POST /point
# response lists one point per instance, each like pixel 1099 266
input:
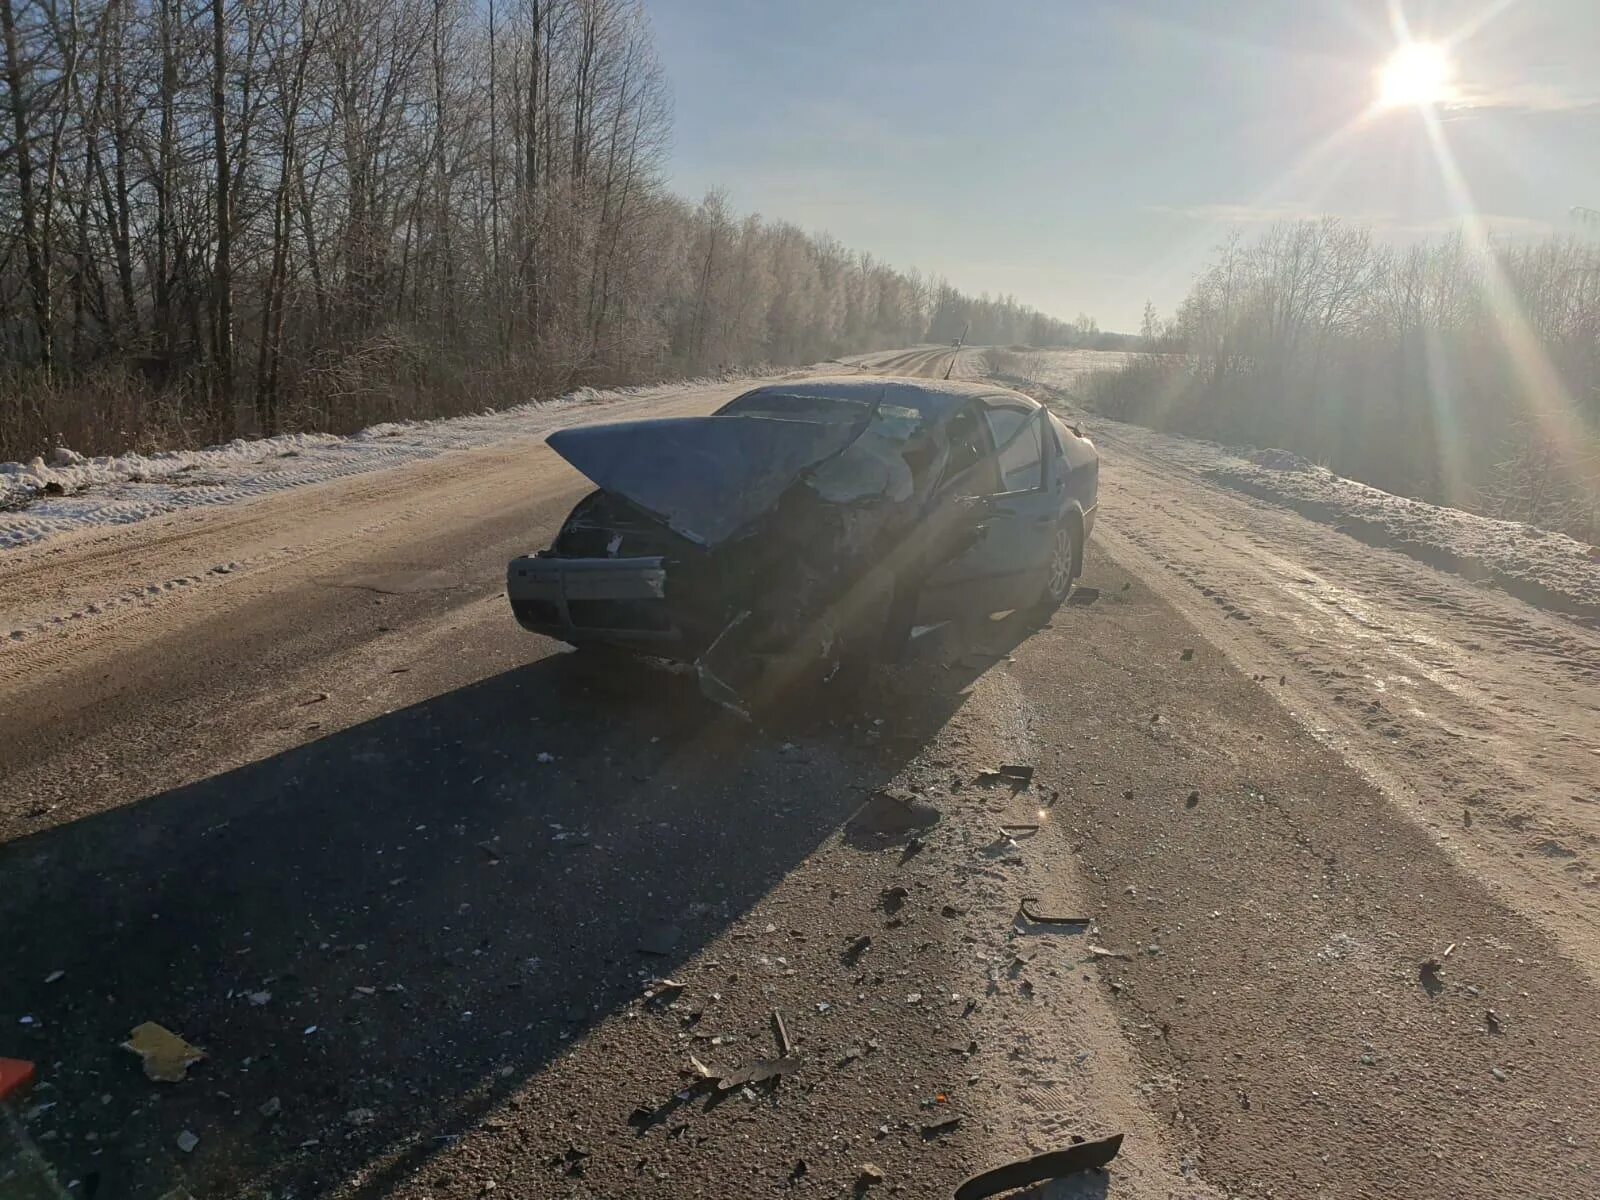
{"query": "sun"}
pixel 1419 74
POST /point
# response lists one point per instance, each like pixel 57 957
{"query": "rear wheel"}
pixel 1059 572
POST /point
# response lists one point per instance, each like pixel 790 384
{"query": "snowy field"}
pixel 66 491
pixel 1064 370
pixel 1544 568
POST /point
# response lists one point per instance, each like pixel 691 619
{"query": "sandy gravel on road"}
pixel 1278 908
pixel 1479 714
pixel 953 1013
pixel 62 585
pixel 185 610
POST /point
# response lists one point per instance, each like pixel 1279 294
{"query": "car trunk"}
pixel 778 537
pixel 708 479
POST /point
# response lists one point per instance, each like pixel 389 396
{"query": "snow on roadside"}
pixel 1062 369
pixel 1544 568
pixel 1550 570
pixel 67 491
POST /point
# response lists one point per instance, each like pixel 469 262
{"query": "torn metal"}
pixel 1039 918
pixel 759 1071
pixel 778 545
pixel 705 478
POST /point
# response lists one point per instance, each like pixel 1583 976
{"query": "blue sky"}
pixel 1086 155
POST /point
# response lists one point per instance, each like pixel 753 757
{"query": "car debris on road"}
pixel 166 1056
pixel 1039 918
pixel 760 1071
pixel 659 939
pixel 661 992
pixel 1101 952
pixel 1040 1168
pixel 785 1046
pixel 854 951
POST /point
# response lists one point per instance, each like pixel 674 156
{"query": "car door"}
pixel 1003 567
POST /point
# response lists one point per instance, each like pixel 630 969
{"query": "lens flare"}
pixel 1419 75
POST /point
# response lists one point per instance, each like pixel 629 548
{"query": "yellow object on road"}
pixel 167 1057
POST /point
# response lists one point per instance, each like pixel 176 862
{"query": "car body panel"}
pixel 1005 567
pixel 618 600
pixel 707 478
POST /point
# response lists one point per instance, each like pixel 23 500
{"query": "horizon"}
pixel 1142 184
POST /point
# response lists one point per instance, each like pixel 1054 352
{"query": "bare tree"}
pixel 35 230
pixel 1399 366
pixel 321 213
pixel 222 274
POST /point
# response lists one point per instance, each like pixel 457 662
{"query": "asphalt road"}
pixel 396 866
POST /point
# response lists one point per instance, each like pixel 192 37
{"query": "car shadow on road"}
pixel 378 936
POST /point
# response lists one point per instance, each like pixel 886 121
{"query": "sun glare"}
pixel 1420 74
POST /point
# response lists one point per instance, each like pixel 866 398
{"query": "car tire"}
pixel 1060 570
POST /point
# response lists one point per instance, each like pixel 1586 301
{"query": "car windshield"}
pixel 795 406
pixel 895 421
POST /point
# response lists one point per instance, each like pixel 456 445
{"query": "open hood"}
pixel 706 478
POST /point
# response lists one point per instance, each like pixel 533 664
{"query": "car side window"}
pixel 1016 433
pixel 970 470
pixel 1004 421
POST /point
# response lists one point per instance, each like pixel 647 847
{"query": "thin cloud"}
pixel 1523 98
pixel 1496 225
pixel 1385 226
pixel 1238 214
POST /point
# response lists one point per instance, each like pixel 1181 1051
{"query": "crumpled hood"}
pixel 706 478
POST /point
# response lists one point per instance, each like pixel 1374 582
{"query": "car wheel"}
pixel 1058 573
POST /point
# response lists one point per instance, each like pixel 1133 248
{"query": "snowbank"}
pixel 1547 569
pixel 67 491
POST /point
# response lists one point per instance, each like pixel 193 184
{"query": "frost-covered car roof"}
pixel 934 398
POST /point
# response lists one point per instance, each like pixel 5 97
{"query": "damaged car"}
pixel 808 528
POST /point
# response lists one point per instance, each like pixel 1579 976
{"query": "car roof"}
pixel 937 398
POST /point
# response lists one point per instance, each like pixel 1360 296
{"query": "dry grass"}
pixel 114 411
pixel 101 413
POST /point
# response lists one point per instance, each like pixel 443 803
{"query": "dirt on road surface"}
pixel 407 874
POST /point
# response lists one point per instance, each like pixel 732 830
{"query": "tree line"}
pixel 1449 370
pixel 229 216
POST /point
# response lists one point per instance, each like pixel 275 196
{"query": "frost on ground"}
pixel 1544 568
pixel 1548 569
pixel 67 491
pixel 1062 370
